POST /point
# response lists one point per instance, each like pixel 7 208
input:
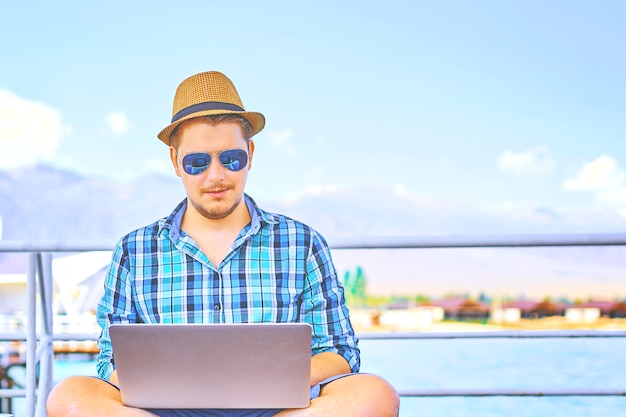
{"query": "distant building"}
pixel 77 285
pixel 582 315
pixel 608 309
pixel 618 311
pixel 462 309
pixel 513 311
pixel 525 307
pixel 12 293
pixel 411 318
pixel 547 308
pixel 397 318
pixel 502 315
pixel 604 307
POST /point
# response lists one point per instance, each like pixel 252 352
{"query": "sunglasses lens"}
pixel 196 163
pixel 234 159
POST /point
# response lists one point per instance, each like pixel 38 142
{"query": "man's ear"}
pixel 251 150
pixel 174 159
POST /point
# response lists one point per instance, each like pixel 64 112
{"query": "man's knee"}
pixel 59 401
pixel 383 392
pixel 66 397
pixel 374 393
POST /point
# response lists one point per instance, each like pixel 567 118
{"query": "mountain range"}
pixel 45 204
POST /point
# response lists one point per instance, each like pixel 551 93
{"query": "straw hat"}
pixel 205 94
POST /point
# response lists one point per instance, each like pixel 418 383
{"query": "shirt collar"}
pixel 171 224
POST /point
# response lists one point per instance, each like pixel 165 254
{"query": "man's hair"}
pixel 213 120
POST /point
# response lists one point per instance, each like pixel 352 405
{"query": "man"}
pixel 217 258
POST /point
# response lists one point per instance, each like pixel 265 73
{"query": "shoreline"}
pixel 547 323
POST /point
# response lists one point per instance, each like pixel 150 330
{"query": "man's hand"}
pixel 113 378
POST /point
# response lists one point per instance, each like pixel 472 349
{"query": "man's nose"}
pixel 215 170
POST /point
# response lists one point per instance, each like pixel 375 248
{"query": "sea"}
pixel 482 364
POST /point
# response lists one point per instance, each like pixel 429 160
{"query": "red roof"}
pixel 604 306
pixel 455 304
pixel 523 305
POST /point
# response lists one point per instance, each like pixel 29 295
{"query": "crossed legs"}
pixel 360 395
pixel 82 396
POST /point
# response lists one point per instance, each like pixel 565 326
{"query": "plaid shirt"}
pixel 278 270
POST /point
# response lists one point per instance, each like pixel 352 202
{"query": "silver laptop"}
pixel 263 365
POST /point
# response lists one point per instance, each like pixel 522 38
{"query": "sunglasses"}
pixel 232 159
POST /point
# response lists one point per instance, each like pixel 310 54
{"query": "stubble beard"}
pixel 217 213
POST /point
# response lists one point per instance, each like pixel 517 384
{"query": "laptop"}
pixel 248 365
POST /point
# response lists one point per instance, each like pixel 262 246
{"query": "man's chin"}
pixel 216 210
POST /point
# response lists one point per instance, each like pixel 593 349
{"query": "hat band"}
pixel 208 105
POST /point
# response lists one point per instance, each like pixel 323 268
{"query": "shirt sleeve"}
pixel 324 307
pixel 115 306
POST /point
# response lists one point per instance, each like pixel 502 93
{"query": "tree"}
pixel 355 285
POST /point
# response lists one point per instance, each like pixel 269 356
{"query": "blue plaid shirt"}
pixel 278 270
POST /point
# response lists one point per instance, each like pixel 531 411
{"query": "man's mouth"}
pixel 216 191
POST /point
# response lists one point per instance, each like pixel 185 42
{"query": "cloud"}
pixel 30 132
pixel 604 177
pixel 533 161
pixel 118 123
pixel 600 174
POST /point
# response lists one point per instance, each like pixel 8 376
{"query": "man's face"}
pixel 217 191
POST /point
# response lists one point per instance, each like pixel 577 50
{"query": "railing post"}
pixel 46 343
pixel 39 285
pixel 31 333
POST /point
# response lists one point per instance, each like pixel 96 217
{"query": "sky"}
pixel 498 105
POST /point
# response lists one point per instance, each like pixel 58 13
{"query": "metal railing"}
pixel 39 339
pixel 39 335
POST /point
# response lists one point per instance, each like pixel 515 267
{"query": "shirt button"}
pixel 216 307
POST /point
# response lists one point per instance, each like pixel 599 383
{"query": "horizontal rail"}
pixel 12 393
pixel 397 242
pixel 424 242
pixel 21 337
pixel 480 334
pixel 581 392
pixel 494 334
pixel 53 246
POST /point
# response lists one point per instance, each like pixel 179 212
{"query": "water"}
pixel 574 363
pixel 502 363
